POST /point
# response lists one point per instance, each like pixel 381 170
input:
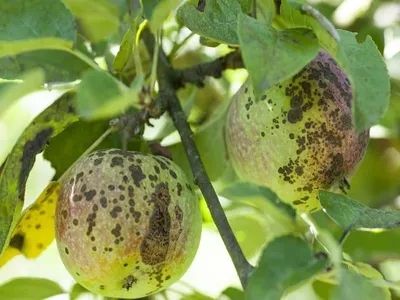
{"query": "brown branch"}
pixel 168 80
pixel 197 73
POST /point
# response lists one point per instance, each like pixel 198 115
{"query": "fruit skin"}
pixel 128 224
pixel 298 138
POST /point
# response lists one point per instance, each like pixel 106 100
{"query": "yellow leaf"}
pixel 35 229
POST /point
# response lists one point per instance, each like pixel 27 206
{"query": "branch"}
pixel 168 80
pixel 197 73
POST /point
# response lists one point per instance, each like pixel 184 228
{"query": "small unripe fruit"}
pixel 128 224
pixel 299 137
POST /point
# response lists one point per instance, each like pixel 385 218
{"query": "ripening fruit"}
pixel 299 137
pixel 128 224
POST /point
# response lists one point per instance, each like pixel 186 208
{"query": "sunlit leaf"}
pixel 352 215
pixel 35 229
pixel 98 19
pixel 35 24
pixel 271 55
pixel 217 22
pixel 286 262
pixel 112 99
pixel 29 289
pixel 22 157
pixel 58 65
pixel 32 81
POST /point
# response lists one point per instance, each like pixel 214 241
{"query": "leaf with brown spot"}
pixel 20 161
pixel 35 229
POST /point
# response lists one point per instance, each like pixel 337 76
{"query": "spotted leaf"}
pixel 22 157
pixel 35 229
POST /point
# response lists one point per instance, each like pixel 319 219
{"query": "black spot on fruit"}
pixel 155 245
pixel 137 174
pixel 117 161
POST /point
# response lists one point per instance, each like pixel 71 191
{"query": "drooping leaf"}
pixel 22 157
pixel 217 22
pixel 286 262
pixel 77 290
pixel 368 76
pixel 58 65
pixel 248 191
pixel 35 24
pixel 352 215
pixel 27 288
pixel 355 286
pixel 35 229
pixel 112 99
pixel 32 81
pixel 98 19
pixel 271 55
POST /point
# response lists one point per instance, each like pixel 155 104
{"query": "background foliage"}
pixel 58 43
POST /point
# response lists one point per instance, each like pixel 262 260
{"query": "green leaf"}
pixel 98 19
pixel 161 12
pixel 78 290
pixel 65 148
pixel 368 76
pixel 124 54
pixel 58 65
pixel 244 222
pixel 272 56
pixel 246 190
pixel 22 157
pixel 352 215
pixel 367 246
pixel 29 289
pixel 233 293
pixel 354 286
pixel 217 22
pixel 266 10
pixel 296 13
pixel 32 81
pixel 286 262
pixel 35 24
pixel 112 99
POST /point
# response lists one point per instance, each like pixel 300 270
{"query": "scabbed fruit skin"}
pixel 128 224
pixel 299 138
